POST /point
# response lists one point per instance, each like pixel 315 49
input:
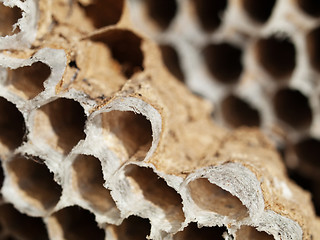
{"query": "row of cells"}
pixel 77 223
pixel 100 13
pixel 209 13
pixel 125 48
pixel 276 55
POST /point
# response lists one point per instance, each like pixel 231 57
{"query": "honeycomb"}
pixel 99 141
pixel 257 61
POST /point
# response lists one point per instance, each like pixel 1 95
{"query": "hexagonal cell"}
pixel 247 232
pixel 130 130
pixel 224 62
pixel 210 13
pixel 77 223
pixel 104 12
pixel 8 17
pixel 259 11
pixel 35 180
pixel 277 55
pixel 171 60
pixel 125 47
pixel 28 81
pixel 310 7
pixel 155 190
pixel 20 226
pixel 308 150
pixel 293 108
pixel 12 125
pixel 162 12
pixel 192 232
pixel 60 124
pixel 313 46
pixel 89 178
pixel 237 112
pixel 211 197
pixel 132 228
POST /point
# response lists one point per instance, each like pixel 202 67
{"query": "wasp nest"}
pixel 258 61
pixel 99 141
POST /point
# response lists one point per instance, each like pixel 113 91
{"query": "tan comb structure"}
pixel 257 61
pixel 99 141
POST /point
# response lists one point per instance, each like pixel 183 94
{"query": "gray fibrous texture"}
pixel 99 141
pixel 257 61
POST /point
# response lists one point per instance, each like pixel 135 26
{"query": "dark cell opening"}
pixel 293 108
pixel 192 232
pixel 132 130
pixel 12 126
pixel 162 12
pixel 104 12
pixel 29 80
pixel 246 232
pixel 237 112
pixel 308 150
pixel 259 11
pixel 210 13
pixel 277 56
pixel 213 198
pixel 21 226
pixel 36 181
pixel 67 121
pixel 90 182
pixel 78 224
pixel 313 46
pixel 8 17
pixel 171 60
pixel 310 7
pixel 309 184
pixel 156 190
pixel 224 62
pixel 133 228
pixel 125 48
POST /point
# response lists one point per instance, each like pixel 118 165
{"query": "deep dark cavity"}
pixel 223 60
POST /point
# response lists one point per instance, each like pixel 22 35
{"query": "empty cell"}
pixel 313 46
pixel 8 17
pixel 192 232
pixel 156 191
pixel 90 182
pixel 104 12
pixel 246 232
pixel 35 180
pixel 133 228
pixel 133 131
pixel 78 224
pixel 305 180
pixel 210 13
pixel 277 55
pixel 162 12
pixel 293 108
pixel 211 197
pixel 1 176
pixel 12 125
pixel 223 60
pixel 310 7
pixel 125 47
pixel 308 150
pixel 29 80
pixel 61 124
pixel 171 60
pixel 259 11
pixel 236 112
pixel 21 226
